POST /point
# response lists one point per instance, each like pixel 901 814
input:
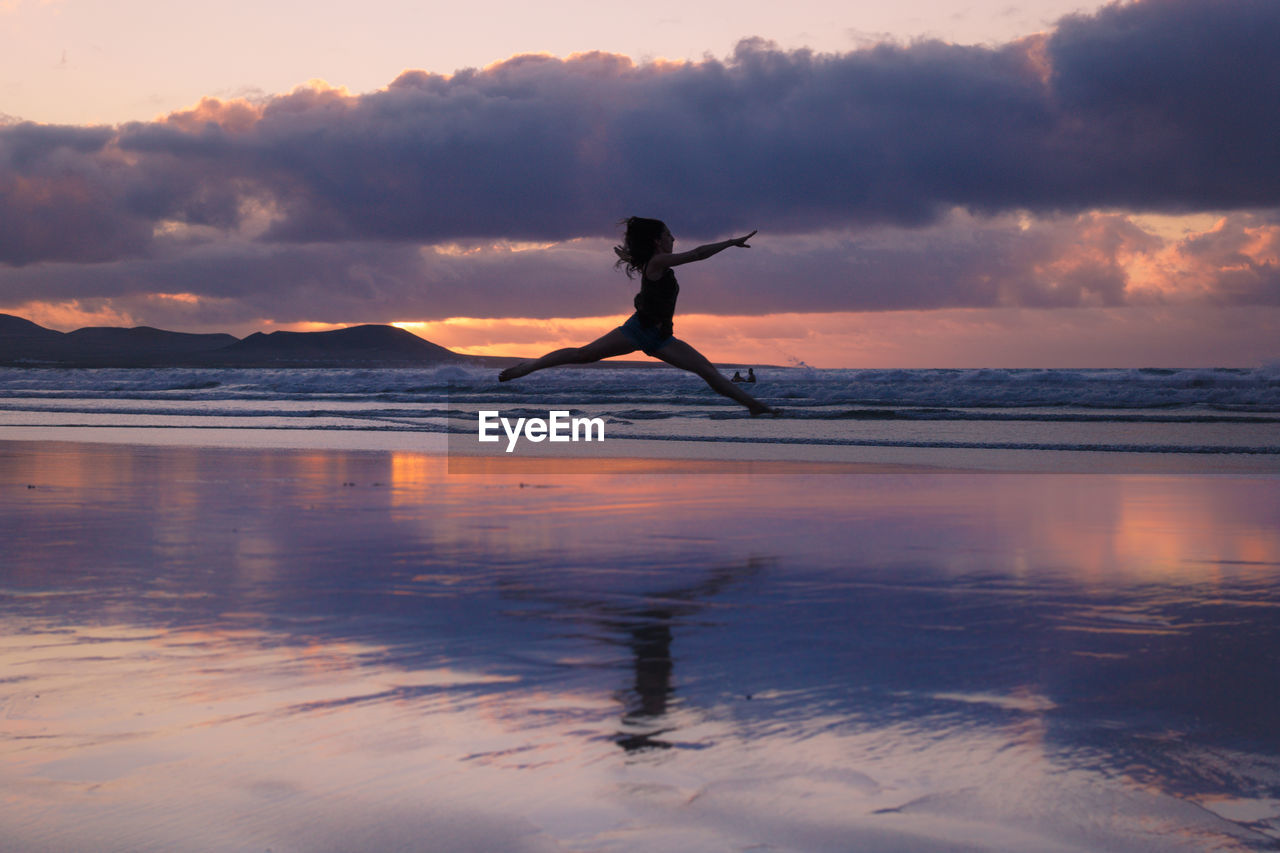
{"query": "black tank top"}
pixel 656 301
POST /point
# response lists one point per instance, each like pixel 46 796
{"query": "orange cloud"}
pixel 512 335
pixel 302 327
pixel 66 316
pixel 234 116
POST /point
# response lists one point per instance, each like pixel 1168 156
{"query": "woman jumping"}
pixel 647 248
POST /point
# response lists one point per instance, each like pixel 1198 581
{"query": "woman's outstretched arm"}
pixel 662 261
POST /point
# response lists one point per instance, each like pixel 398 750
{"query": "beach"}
pixel 215 648
pixel 769 428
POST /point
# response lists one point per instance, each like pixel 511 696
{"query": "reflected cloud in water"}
pixel 216 649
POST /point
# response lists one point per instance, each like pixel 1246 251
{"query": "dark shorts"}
pixel 646 338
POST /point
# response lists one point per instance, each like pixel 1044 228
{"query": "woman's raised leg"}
pixel 606 346
pixel 677 353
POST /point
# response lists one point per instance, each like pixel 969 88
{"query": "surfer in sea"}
pixel 649 249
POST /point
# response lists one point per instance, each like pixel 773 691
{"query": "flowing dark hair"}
pixel 638 242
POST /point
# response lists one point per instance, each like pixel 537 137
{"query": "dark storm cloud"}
pixel 60 197
pixel 1175 102
pixel 1159 105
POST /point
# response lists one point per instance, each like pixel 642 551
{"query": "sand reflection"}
pixel 228 650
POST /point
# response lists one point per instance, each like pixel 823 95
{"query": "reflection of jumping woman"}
pixel 647 249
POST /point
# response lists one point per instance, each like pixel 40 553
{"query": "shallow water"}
pixel 213 649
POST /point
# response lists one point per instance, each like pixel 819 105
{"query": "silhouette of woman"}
pixel 648 248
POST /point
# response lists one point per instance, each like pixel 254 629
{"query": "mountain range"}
pixel 24 343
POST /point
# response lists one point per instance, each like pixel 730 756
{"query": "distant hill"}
pixel 25 343
pixel 383 344
pixel 16 328
pixel 144 341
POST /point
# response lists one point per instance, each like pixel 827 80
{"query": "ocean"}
pixel 1196 420
pixel 225 625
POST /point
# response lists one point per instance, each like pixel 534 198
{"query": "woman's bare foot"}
pixel 762 409
pixel 515 371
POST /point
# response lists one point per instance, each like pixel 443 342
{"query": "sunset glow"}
pixel 344 506
pixel 476 204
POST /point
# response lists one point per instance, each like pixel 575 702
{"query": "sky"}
pixel 935 184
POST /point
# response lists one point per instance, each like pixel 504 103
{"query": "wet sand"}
pixel 213 649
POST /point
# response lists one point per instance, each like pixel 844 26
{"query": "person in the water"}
pixel 649 249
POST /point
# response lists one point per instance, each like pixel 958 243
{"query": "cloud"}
pixel 1091 260
pixel 1159 105
pixel 61 196
pixel 1237 262
pixel 917 178
pixel 1076 261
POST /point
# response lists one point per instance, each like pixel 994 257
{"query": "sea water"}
pixel 1198 420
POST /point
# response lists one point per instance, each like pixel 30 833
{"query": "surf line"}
pixel 557 426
